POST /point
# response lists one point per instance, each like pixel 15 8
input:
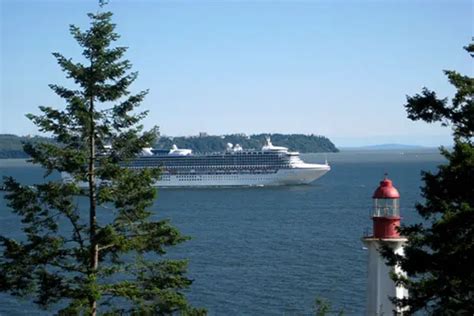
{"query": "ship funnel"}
pixel 269 141
pixel 147 151
pixel 269 146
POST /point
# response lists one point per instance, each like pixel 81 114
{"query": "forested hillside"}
pixel 296 142
pixel 11 145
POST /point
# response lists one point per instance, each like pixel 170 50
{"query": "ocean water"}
pixel 272 250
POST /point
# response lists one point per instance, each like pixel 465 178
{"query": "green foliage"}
pixel 74 262
pixel 439 254
pixel 203 144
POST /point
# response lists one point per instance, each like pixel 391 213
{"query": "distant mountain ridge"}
pixel 386 147
pixel 11 146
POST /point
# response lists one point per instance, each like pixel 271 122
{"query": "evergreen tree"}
pixel 104 257
pixel 439 254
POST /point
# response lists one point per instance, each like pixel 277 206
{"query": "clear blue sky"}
pixel 335 68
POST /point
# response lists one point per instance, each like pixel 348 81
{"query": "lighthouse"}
pixel 386 220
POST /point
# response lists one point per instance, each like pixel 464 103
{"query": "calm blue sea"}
pixel 272 251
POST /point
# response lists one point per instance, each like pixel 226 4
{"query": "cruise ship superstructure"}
pixel 270 166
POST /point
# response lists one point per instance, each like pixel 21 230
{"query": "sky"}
pixel 341 69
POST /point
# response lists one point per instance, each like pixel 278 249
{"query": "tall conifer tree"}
pixel 439 254
pixel 102 255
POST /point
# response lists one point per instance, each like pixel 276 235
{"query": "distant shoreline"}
pixel 387 147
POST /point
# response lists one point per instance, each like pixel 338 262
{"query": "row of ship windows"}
pixel 184 178
pixel 223 170
pixel 230 155
pixel 209 165
pixel 239 153
pixel 217 171
pixel 167 175
pixel 235 169
pixel 210 161
pixel 213 166
pixel 195 158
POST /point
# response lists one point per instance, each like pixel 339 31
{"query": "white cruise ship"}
pixel 270 166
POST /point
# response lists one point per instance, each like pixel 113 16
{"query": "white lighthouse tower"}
pixel 386 220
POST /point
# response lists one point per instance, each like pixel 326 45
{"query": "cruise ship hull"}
pixel 290 176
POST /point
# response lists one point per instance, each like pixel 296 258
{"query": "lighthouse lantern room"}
pixel 386 214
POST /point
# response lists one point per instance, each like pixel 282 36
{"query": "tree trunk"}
pixel 94 250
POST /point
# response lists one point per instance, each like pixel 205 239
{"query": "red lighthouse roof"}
pixel 386 190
